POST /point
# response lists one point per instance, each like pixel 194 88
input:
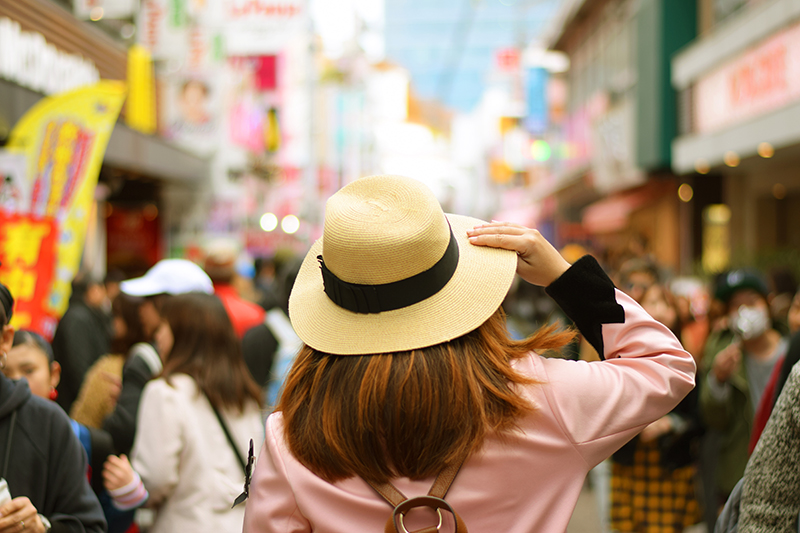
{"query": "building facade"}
pixel 145 182
pixel 739 86
pixel 611 177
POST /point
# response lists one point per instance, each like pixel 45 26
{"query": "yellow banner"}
pixel 63 138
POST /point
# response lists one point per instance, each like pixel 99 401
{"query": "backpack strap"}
pixel 434 500
pixel 445 478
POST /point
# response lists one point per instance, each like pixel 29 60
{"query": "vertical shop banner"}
pixel 536 120
pixel 190 111
pixel 191 95
pixel 140 113
pixel 63 139
pixel 254 122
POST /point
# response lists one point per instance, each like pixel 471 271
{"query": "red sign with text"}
pixel 27 265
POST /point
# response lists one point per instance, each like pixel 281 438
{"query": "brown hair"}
pixel 206 347
pixel 407 413
pixel 126 307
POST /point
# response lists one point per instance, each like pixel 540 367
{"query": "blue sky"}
pixel 449 46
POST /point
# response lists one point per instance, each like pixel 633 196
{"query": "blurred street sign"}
pixel 260 27
pixel 764 78
pixel 29 60
pixel 162 29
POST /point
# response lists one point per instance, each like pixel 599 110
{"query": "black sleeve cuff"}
pixel 586 295
pixel 102 447
pixel 59 527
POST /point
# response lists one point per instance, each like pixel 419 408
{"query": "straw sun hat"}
pixel 389 275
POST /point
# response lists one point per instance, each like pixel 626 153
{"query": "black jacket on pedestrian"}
pixel 83 336
pixel 44 460
pixel 259 346
pixel 121 423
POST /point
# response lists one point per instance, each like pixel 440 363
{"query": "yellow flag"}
pixel 63 138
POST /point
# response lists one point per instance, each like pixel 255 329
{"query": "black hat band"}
pixel 368 299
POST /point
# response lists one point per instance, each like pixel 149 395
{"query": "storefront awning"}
pixel 611 214
pixel 153 156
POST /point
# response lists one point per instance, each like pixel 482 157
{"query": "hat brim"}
pixel 143 286
pixel 478 287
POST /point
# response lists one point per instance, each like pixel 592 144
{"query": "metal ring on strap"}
pixel 438 526
pixel 430 502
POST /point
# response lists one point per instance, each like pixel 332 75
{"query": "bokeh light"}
pixel 685 192
pixel 731 159
pixel 269 222
pixel 702 166
pixel 766 150
pixel 540 151
pixel 290 224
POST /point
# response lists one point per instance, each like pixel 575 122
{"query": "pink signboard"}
pixel 763 79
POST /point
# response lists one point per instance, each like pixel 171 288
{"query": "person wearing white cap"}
pixel 166 278
pixel 408 380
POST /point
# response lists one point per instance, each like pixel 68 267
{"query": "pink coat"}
pixel 527 482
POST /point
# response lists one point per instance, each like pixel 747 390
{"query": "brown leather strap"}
pixel 422 501
pixel 439 489
pixel 389 492
pixel 445 478
pixel 434 499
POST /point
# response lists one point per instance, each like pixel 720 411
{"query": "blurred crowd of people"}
pixel 741 326
pixel 166 379
pixel 165 385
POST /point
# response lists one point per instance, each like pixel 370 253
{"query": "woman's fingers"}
pixel 505 236
pixel 117 472
pixel 538 262
pixel 112 470
pixel 17 511
pixel 111 481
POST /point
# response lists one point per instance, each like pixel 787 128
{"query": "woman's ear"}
pixel 55 374
pixel 7 339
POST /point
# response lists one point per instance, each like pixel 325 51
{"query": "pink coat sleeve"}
pixel 603 404
pixel 270 483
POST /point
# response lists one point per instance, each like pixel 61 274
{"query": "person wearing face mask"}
pixel 738 362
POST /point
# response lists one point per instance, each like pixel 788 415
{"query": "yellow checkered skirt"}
pixel 648 498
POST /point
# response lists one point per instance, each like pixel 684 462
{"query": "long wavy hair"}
pixel 407 413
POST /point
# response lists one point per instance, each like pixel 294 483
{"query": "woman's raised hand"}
pixel 538 262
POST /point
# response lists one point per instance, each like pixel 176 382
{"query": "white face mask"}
pixel 750 322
